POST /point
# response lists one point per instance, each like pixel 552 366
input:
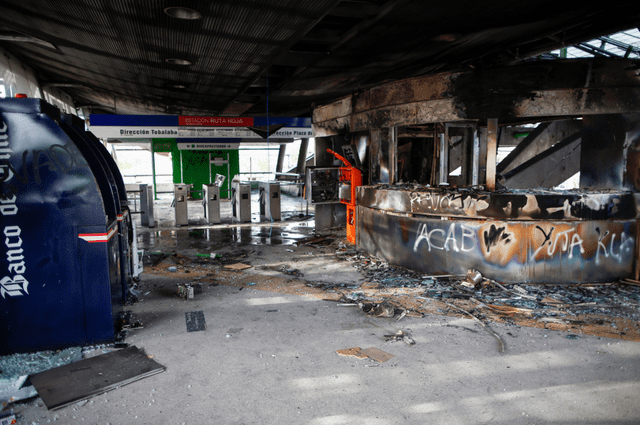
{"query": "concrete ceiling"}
pixel 278 57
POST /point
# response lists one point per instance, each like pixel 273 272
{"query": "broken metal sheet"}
pixel 68 384
pixel 195 321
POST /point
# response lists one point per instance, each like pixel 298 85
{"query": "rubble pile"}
pixel 617 299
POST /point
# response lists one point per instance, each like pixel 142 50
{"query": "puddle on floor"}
pixel 211 240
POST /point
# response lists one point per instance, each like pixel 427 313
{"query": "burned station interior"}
pixel 319 212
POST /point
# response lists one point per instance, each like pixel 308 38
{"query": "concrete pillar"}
pixel 605 141
pixel 281 153
pixel 302 156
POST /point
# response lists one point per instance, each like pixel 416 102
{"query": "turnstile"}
pixel 241 201
pixel 146 206
pixel 180 196
pixel 211 202
pixel 270 201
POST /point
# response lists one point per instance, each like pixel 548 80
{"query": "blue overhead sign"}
pixel 176 126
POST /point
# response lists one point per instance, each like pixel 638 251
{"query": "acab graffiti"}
pixel 502 242
pixel 457 238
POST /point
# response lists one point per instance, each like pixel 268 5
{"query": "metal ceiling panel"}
pixel 290 53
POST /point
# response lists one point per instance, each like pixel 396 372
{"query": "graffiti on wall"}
pixel 509 205
pixel 502 242
pixel 456 238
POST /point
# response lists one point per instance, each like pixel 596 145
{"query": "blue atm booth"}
pixel 112 188
pixel 60 273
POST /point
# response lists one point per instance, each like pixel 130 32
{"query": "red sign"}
pixel 216 121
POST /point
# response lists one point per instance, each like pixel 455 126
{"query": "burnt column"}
pixel 608 141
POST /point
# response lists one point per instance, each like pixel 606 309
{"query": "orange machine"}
pixel 349 176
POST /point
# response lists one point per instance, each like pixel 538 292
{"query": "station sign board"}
pixel 194 127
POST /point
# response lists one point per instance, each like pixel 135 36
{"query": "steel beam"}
pixel 549 168
pixel 539 140
pixel 534 92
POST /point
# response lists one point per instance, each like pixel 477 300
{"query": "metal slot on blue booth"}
pixel 132 268
pixel 98 158
pixel 60 276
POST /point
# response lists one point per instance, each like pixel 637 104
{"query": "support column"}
pixel 153 170
pixel 302 160
pixel 393 155
pixel 492 149
pixel 302 156
pixel 374 156
pixel 602 162
pixel 281 154
pixel 443 171
pixel 475 157
pixel 385 163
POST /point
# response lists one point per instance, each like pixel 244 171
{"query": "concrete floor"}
pixel 270 358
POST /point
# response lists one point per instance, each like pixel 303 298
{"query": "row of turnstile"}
pixel 269 200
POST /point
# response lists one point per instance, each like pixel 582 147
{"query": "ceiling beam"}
pixel 534 91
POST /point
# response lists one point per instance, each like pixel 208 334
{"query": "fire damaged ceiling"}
pixel 277 57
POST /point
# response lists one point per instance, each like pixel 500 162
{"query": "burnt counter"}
pixel 533 236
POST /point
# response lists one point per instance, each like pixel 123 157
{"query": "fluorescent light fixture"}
pixel 176 61
pixel 182 13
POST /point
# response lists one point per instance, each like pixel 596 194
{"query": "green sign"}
pixel 163 145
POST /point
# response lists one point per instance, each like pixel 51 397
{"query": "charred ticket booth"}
pixel 468 170
pixel 65 266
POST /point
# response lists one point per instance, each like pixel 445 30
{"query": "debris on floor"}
pixel 14 389
pixel 8 418
pixel 188 291
pixel 609 310
pixel 237 266
pixel 290 271
pixel 372 353
pixel 352 352
pixel 377 354
pixel 195 321
pixel 384 309
pixel 64 385
pixel 501 345
pixel 401 336
pixel 16 365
